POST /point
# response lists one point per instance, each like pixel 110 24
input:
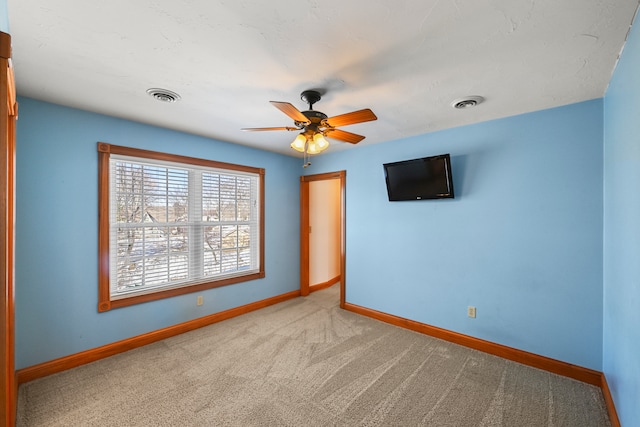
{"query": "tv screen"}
pixel 419 179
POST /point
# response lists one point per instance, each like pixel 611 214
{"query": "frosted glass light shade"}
pixel 299 143
pixel 314 145
pixel 318 144
pixel 323 144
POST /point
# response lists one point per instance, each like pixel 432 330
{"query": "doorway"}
pixel 322 232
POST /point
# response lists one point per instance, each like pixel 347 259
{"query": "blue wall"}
pixel 56 231
pixel 522 240
pixel 621 363
pixel 4 16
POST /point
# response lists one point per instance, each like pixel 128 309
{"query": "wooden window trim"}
pixel 104 301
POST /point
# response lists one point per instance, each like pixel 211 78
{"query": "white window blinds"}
pixel 174 225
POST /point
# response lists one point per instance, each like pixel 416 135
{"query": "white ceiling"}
pixel 406 60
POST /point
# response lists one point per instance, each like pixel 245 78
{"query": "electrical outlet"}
pixel 471 311
pixel 200 300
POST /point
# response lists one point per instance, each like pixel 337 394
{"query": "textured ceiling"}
pixel 406 60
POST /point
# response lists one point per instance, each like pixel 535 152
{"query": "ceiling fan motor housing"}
pixel 310 97
pixel 315 117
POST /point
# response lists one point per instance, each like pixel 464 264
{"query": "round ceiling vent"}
pixel 468 102
pixel 163 95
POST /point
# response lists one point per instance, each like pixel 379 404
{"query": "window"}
pixel 170 225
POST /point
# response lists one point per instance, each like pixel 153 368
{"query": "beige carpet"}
pixel 305 362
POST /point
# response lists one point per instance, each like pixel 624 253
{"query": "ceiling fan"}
pixel 315 125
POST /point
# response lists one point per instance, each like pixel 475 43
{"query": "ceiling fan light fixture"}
pixel 317 144
pixel 299 143
pixel 310 145
pixel 322 143
pixel 313 149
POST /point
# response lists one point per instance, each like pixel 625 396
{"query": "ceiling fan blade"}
pixel 277 128
pixel 354 117
pixel 291 111
pixel 343 136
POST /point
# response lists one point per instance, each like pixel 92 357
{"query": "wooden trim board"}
pixel 324 285
pixel 565 369
pixel 541 362
pixel 530 359
pixel 8 111
pixel 608 400
pixel 58 365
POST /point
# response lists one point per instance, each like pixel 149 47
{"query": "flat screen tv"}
pixel 419 179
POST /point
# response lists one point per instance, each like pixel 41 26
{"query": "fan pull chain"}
pixel 305 157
